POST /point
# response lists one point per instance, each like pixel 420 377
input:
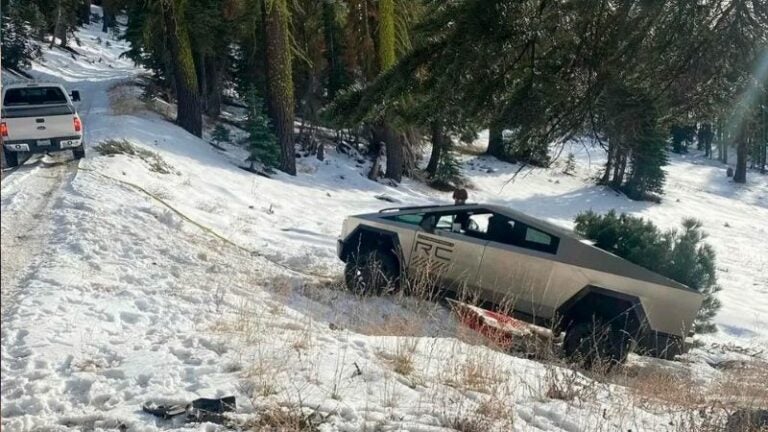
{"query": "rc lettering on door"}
pixel 432 254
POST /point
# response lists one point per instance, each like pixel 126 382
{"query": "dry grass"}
pixel 125 99
pixel 284 419
pixel 479 372
pixel 155 161
pixel 401 358
pixel 653 387
pixel 571 385
pixel 743 383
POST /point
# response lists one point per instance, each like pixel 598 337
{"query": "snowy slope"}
pixel 124 300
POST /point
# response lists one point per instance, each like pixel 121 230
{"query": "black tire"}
pixel 11 158
pixel 592 344
pixel 374 272
pixel 79 152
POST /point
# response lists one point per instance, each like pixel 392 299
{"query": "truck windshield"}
pixel 34 96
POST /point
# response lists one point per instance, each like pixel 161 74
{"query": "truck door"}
pixel 446 254
pixel 517 266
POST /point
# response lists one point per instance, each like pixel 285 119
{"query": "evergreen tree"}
pixel 262 142
pixel 18 20
pixel 570 164
pixel 448 173
pixel 547 85
pixel 220 134
pixel 680 255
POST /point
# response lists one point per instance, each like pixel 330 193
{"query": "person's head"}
pixel 460 196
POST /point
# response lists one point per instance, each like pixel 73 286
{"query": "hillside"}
pixel 172 274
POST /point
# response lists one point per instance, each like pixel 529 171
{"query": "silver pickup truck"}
pixel 518 265
pixel 40 118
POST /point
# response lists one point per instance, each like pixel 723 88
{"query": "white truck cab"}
pixel 40 118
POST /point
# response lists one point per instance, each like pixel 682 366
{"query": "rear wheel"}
pixel 594 343
pixel 372 272
pixel 11 158
pixel 79 152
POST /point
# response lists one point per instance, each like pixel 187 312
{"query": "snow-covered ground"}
pixel 203 282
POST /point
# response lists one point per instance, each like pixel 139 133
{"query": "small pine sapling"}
pixel 680 255
pixel 262 142
pixel 448 173
pixel 570 165
pixel 220 135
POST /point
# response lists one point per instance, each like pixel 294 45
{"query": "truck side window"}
pixel 410 219
pixel 539 240
pixel 502 229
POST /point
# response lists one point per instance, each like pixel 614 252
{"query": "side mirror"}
pixel 428 224
pixel 75 96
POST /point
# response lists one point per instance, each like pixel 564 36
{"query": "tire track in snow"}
pixel 26 210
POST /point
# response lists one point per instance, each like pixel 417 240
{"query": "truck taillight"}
pixel 78 125
pixel 3 129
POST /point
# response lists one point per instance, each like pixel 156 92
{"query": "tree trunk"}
pixel 332 49
pixel 279 80
pixel 386 57
pixel 740 175
pixel 202 80
pixel 496 141
pixel 214 87
pixel 62 34
pixel 84 12
pixel 438 142
pixel 56 25
pixel 377 142
pixel 106 16
pixel 619 168
pixel 608 163
pixel 189 113
pixel 386 34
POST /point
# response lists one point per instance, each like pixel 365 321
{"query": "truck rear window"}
pixel 34 96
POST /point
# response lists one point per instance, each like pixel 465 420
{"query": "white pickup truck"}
pixel 39 118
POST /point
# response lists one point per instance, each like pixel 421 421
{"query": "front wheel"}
pixel 79 152
pixel 593 343
pixel 372 272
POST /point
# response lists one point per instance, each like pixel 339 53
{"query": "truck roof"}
pixel 31 84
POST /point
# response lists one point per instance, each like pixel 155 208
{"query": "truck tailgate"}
pixel 39 123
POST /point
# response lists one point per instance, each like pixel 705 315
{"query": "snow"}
pixel 131 295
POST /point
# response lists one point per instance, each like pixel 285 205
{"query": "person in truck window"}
pixel 460 198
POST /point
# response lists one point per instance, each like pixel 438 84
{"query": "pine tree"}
pixel 680 255
pixel 220 134
pixel 262 142
pixel 448 173
pixel 570 164
pixel 18 19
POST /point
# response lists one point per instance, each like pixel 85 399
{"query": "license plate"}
pixel 42 143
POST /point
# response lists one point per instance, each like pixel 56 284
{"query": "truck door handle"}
pixel 40 120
